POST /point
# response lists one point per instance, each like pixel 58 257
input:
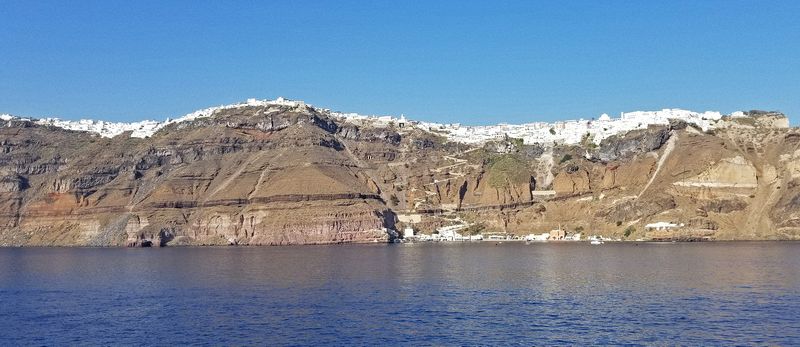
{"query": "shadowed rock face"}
pixel 277 175
pixel 635 142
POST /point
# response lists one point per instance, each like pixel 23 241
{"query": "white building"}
pixel 662 226
pixel 450 233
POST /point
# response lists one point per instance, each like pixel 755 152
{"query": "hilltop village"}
pixel 560 132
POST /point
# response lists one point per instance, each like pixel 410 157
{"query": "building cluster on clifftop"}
pixel 564 132
pixel 576 131
pixel 561 132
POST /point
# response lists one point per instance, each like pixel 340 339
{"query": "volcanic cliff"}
pixel 288 173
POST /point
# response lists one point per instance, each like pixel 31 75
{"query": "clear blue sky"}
pixel 468 61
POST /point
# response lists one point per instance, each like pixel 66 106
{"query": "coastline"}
pixel 440 243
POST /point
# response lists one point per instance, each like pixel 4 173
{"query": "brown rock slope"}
pixel 294 175
pixel 249 176
pixel 737 183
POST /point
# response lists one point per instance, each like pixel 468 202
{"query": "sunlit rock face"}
pixel 283 172
pixel 259 175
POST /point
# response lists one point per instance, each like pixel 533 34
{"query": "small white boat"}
pixel 597 242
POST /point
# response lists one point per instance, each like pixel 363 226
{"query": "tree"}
pixel 629 230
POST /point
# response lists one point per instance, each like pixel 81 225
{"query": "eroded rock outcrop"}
pixel 635 142
pixel 734 172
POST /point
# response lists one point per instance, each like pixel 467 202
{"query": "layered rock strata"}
pixel 279 174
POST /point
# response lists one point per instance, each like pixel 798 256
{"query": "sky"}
pixel 473 62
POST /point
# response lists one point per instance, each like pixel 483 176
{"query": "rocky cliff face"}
pixel 737 183
pixel 254 176
pixel 292 174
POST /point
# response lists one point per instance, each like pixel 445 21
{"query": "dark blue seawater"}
pixel 420 294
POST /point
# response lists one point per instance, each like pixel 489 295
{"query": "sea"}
pixel 483 293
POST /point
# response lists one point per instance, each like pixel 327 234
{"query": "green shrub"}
pixel 629 230
pixel 507 169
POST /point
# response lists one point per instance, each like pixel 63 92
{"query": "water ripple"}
pixel 471 294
